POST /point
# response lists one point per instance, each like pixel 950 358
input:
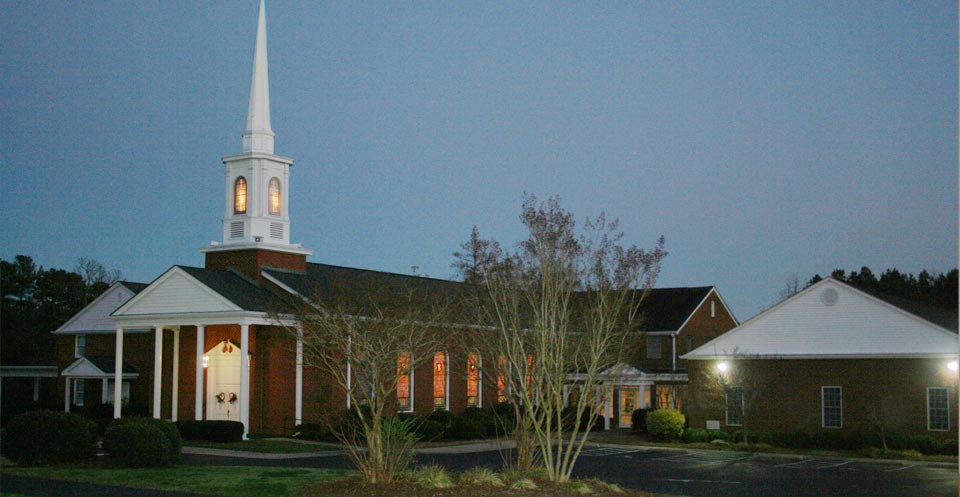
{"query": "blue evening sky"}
pixel 763 140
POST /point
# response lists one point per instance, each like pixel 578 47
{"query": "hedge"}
pixel 170 431
pixel 665 423
pixel 211 431
pixel 44 437
pixel 138 445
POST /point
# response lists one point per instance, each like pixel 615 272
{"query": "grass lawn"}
pixel 266 445
pixel 240 481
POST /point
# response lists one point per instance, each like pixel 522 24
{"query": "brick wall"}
pixel 790 398
pixel 250 261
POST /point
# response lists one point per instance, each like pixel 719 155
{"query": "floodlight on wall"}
pixel 953 366
pixel 723 366
pixel 206 362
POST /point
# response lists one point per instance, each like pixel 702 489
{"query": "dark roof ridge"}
pixel 389 273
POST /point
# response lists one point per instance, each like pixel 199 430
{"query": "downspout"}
pixel 673 336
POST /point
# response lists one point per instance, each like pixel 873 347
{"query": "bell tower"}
pixel 256 221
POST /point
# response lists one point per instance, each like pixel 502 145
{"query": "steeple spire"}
pixel 258 137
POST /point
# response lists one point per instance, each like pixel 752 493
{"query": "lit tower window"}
pixel 274 197
pixel 240 196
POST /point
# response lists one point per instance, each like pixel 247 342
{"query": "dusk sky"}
pixel 763 140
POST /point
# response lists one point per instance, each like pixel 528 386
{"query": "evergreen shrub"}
pixel 138 445
pixel 665 423
pixel 45 437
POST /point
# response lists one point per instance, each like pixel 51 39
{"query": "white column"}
pixel 245 378
pixel 198 395
pixel 157 370
pixel 298 410
pixel 118 375
pixel 566 395
pixel 607 408
pixel 66 395
pixel 175 377
pixel 674 337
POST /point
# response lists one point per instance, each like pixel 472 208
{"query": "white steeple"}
pixel 257 215
pixel 258 137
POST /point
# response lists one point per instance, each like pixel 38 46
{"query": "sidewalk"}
pixel 465 448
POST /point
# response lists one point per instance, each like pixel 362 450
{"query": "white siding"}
pixel 831 318
pixel 96 316
pixel 176 293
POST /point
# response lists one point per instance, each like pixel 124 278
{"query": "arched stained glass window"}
pixel 440 380
pixel 240 196
pixel 273 204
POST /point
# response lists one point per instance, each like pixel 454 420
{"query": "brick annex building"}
pixel 198 343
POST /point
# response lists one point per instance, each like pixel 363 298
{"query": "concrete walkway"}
pixel 464 448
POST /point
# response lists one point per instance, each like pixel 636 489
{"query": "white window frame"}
pixel 446 381
pixel 479 378
pixel 412 383
pixel 79 392
pixel 654 339
pixel 79 346
pixel 823 407
pixel 946 392
pixel 726 406
pixel 108 392
pixel 713 309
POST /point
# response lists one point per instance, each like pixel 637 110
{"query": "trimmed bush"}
pixel 442 416
pixel 211 431
pixel 638 420
pixel 833 440
pixel 717 435
pixel 465 427
pixel 44 437
pixel 665 423
pixel 312 431
pixel 138 445
pixel 796 440
pixel 429 430
pixel 169 430
pixel 694 435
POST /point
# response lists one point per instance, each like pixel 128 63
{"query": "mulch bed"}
pixel 353 487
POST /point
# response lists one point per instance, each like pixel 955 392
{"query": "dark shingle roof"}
pixel 666 309
pixel 940 316
pixel 107 364
pixel 238 288
pixel 134 287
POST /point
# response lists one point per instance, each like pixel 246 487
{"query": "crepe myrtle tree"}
pixel 359 340
pixel 563 302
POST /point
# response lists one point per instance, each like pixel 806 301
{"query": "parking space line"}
pixel 794 464
pixel 837 465
pixel 905 466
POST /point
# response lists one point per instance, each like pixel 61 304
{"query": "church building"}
pixel 199 343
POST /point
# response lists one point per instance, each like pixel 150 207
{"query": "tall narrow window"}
pixel 80 346
pixel 473 380
pixel 502 379
pixel 832 399
pixel 528 372
pixel 938 409
pixel 734 406
pixel 404 383
pixel 273 206
pixel 240 196
pixel 78 393
pixel 440 380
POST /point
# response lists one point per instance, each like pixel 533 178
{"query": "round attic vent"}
pixel 829 296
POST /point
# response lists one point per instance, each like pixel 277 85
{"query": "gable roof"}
pixel 832 319
pixel 185 289
pixel 98 366
pixel 95 317
pixel 667 309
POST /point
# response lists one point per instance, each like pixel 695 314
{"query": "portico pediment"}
pixel 176 292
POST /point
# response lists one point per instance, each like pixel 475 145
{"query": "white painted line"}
pixel 834 465
pixel 794 464
pixel 900 468
pixel 721 482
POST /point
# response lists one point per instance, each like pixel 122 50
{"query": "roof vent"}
pixel 829 297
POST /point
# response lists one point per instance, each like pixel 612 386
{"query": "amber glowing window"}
pixel 404 385
pixel 274 201
pixel 502 379
pixel 528 372
pixel 240 196
pixel 473 380
pixel 440 380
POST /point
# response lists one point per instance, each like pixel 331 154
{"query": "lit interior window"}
pixel 473 380
pixel 274 203
pixel 403 382
pixel 440 381
pixel 240 196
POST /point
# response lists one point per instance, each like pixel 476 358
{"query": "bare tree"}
pixel 562 303
pixel 365 343
pixel 96 277
pixel 791 287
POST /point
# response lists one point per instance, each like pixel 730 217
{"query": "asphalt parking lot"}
pixel 699 473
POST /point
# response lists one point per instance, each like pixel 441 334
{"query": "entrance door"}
pixel 223 382
pixel 627 397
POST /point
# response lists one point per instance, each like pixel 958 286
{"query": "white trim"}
pixel 62 330
pixel 199 373
pixel 298 389
pixel 76 345
pixel 713 290
pixel 73 398
pixel 93 372
pixel 823 407
pixel 245 379
pixel 946 391
pixel 157 369
pixel 28 372
pixel 118 374
pixel 175 376
pixel 157 283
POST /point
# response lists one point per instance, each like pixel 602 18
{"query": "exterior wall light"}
pixel 953 366
pixel 206 362
pixel 723 366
